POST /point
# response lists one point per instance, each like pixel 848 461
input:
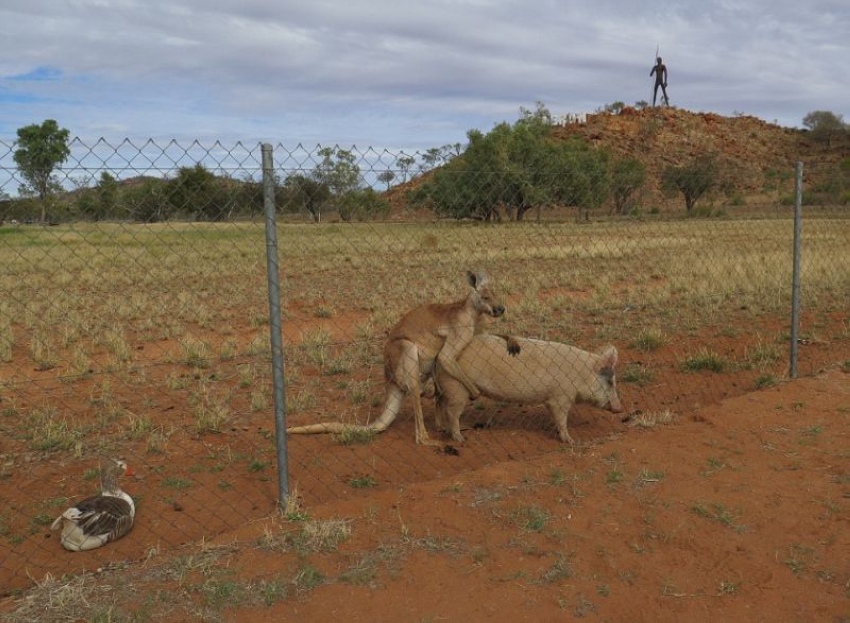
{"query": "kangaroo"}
pixel 542 372
pixel 434 332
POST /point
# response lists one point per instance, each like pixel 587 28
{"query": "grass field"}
pixel 152 342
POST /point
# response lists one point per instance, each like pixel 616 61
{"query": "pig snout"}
pixel 614 404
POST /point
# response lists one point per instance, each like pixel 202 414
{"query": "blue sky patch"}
pixel 39 74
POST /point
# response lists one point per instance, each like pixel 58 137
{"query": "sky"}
pixel 403 75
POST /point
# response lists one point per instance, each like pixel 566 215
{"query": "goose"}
pixel 99 519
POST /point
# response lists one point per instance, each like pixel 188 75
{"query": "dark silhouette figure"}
pixel 660 71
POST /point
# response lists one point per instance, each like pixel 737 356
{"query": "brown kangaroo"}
pixel 434 332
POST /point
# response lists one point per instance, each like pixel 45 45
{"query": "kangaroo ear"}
pixel 608 357
pixel 477 279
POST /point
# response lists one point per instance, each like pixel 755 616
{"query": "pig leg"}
pixel 559 407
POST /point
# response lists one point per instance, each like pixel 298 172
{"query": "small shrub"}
pixel 649 339
pixel 352 436
pixel 531 518
pixel 766 380
pixel 636 373
pixel 362 482
pixel 704 360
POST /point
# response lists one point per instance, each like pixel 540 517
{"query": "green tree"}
pixel 615 108
pixel 5 204
pixel 516 168
pixel 693 179
pixel 824 125
pixel 405 163
pixel 339 173
pixel 626 177
pixel 776 180
pixel 582 177
pixel 248 195
pixel 148 200
pixel 337 170
pixel 108 192
pixel 431 158
pixel 474 184
pixel 196 191
pixel 362 204
pixel 300 192
pixel 386 177
pixel 41 149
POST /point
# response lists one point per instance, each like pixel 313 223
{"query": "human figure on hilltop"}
pixel 660 71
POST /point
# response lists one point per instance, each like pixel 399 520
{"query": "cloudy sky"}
pixel 400 74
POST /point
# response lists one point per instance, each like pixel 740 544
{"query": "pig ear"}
pixel 608 357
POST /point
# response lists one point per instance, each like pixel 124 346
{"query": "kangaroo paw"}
pixel 513 346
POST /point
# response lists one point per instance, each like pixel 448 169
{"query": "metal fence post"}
pixel 795 277
pixel 275 325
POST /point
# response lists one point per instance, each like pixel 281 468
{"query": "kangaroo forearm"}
pixel 451 367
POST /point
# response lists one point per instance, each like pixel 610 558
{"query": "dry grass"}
pixel 160 332
pixel 652 419
pixel 83 298
pixel 141 304
pixel 135 302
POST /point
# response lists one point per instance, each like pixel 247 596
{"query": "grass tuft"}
pixel 705 359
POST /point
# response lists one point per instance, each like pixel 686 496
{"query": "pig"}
pixel 542 372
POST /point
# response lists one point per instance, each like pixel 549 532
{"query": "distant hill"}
pixel 752 150
pixel 758 158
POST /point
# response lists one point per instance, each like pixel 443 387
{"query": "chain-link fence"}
pixel 134 322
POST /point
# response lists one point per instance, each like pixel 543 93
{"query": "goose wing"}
pixel 102 515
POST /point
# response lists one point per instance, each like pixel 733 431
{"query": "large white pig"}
pixel 551 373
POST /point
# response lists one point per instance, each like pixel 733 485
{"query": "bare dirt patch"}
pixel 736 508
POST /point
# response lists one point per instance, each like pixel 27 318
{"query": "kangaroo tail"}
pixel 332 427
pixel 391 409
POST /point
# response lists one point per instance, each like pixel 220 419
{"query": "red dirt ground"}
pixel 734 511
pixel 738 512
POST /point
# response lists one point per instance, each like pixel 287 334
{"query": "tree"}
pixel 582 177
pixel 627 175
pixel 692 179
pixel 430 158
pixel 386 177
pixel 248 195
pixel 362 203
pixel 337 170
pixel 516 167
pixel 339 174
pixel 404 163
pixel 147 201
pixel 300 192
pixel 615 108
pixel 107 195
pixel 198 192
pixel 824 125
pixel 41 149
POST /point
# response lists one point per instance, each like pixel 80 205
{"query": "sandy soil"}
pixel 738 511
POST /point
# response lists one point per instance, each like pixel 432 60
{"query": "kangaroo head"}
pixel 483 297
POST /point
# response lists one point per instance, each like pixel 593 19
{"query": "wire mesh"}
pixel 134 321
